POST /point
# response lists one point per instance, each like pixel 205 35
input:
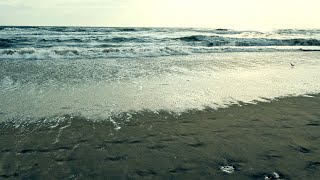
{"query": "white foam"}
pixel 227 169
pixel 57 53
pixel 94 89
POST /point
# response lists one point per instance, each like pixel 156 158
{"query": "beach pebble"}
pixel 227 169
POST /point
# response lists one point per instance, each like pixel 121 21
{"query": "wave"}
pixel 98 42
pixel 219 31
pixel 74 53
pixel 127 29
pixel 137 29
pixel 4 43
pixel 17 42
pixel 226 41
pixel 298 31
pixel 77 40
pixel 14 42
pixel 65 29
pixel 118 52
pixel 125 41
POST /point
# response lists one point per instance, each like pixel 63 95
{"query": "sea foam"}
pixel 101 88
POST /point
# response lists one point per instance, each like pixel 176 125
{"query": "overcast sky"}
pixel 243 14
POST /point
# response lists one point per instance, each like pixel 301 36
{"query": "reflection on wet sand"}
pixel 268 140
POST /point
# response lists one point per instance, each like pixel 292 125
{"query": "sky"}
pixel 236 14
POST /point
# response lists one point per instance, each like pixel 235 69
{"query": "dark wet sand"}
pixel 282 136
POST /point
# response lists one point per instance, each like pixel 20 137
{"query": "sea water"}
pixel 98 72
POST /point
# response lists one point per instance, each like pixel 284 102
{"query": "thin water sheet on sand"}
pixel 100 87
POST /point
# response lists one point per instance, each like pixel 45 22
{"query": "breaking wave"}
pixel 67 53
pixel 224 41
pixel 76 53
pixel 100 42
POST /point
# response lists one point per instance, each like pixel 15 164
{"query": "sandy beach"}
pixel 256 140
pixel 159 103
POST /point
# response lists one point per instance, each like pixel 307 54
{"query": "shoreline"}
pixel 280 136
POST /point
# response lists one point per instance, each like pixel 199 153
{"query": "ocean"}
pixel 159 103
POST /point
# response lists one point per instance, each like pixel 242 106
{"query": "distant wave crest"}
pixel 224 41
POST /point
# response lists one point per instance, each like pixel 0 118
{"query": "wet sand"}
pixel 256 140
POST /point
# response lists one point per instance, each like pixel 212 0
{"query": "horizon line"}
pixel 169 27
